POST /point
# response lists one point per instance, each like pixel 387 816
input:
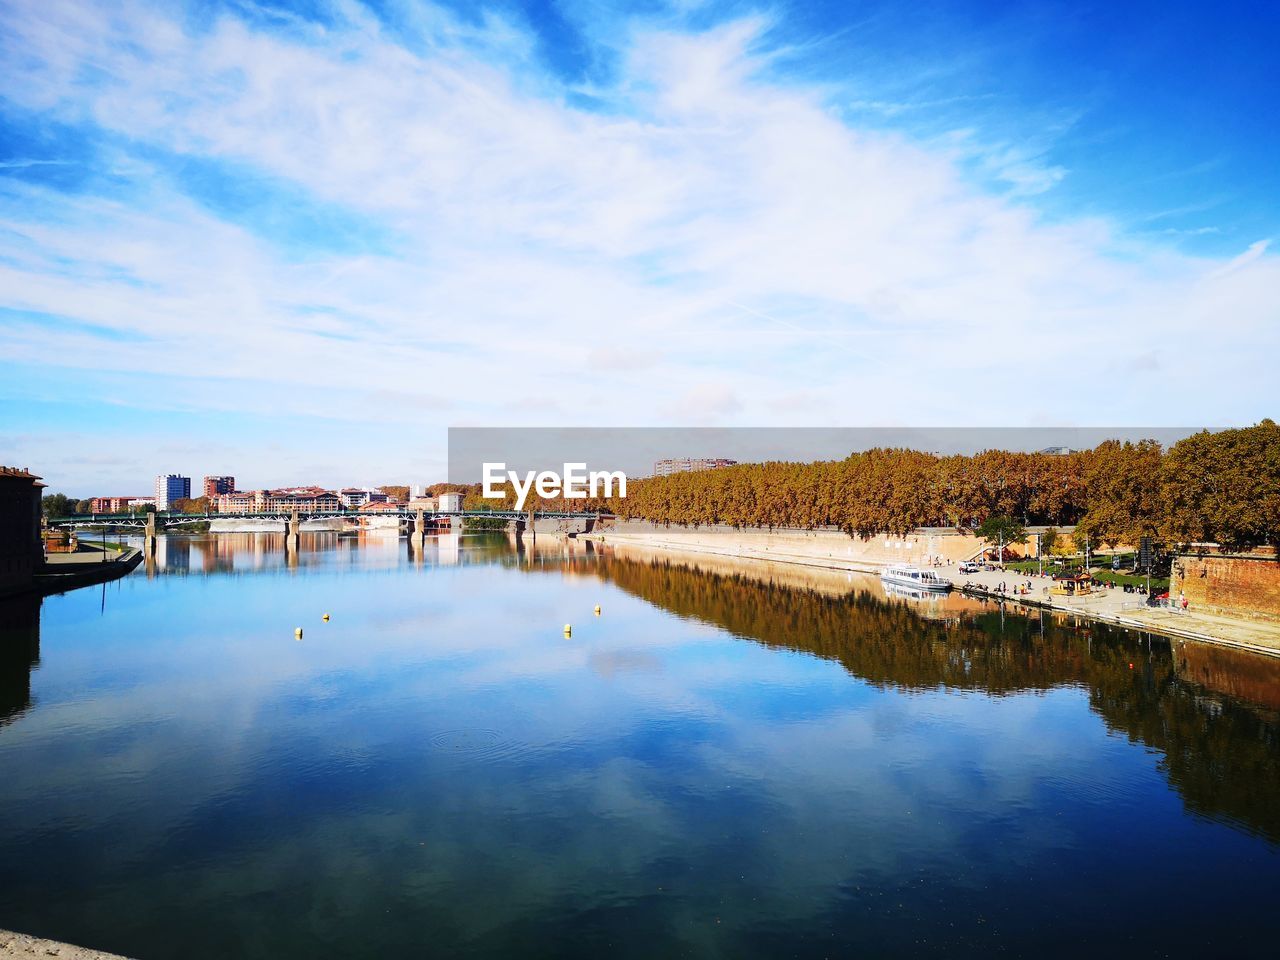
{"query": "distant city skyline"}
pixel 302 240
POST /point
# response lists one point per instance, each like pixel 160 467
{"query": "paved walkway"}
pixel 81 556
pixel 1128 609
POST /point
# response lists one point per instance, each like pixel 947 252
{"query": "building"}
pixel 381 506
pixel 302 499
pixel 353 498
pixel 171 487
pixel 21 549
pixel 1058 451
pixel 450 503
pixel 112 504
pixel 215 487
pixel 664 468
pixel 237 501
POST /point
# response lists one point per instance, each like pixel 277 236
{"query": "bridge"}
pixel 162 519
pixel 419 520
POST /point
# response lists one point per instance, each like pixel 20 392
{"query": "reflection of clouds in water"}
pixel 893 781
pixel 611 663
pixel 440 753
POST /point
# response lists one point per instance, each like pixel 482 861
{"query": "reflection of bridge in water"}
pixel 235 553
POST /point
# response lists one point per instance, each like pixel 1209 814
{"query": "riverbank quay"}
pixel 20 945
pixel 835 550
pixel 1125 609
pixel 68 571
pixel 830 548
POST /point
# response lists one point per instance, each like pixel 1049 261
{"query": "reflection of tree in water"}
pixel 1221 753
pixel 19 653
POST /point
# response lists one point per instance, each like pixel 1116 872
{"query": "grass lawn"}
pixel 1101 574
pixel 1158 584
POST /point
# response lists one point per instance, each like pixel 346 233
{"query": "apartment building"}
pixel 171 487
pixel 664 468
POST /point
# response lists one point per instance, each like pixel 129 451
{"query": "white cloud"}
pixel 711 242
pixel 1252 255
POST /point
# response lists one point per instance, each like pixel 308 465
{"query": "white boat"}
pixel 913 578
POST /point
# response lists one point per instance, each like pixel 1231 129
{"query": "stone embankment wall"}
pixel 548 526
pixel 1237 585
pixel 825 548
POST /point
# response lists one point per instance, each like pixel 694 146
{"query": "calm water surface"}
pixel 722 764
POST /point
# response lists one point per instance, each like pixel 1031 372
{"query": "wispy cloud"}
pixel 23 164
pixel 333 216
pixel 1243 260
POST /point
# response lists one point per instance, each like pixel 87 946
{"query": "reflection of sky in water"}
pixel 439 769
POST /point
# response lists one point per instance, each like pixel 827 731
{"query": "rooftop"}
pixel 13 473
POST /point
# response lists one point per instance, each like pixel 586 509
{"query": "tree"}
pixel 57 505
pixel 396 492
pixel 1002 531
pixel 84 506
pixel 1048 540
pixel 1124 492
pixel 190 505
pixel 1224 487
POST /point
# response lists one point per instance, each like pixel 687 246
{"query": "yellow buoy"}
pixel 597 609
pixel 325 618
pixel 568 629
pixel 298 633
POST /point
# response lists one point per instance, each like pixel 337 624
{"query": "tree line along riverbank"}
pixel 1220 487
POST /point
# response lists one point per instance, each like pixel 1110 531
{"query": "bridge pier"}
pixel 292 536
pixel 418 532
pixel 149 536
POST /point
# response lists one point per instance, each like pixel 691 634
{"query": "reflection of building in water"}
pixel 173 554
pixel 216 554
pixel 242 552
pixel 450 549
pixel 19 653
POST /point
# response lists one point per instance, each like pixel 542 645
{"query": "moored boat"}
pixel 913 578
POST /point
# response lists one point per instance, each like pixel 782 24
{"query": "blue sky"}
pixel 295 242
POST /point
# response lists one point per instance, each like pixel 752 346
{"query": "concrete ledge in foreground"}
pixel 20 945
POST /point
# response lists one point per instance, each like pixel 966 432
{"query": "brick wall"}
pixel 1238 585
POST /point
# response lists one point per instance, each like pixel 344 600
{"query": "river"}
pixel 726 761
